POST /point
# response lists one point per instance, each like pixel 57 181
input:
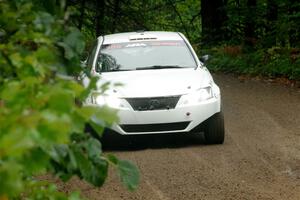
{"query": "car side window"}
pixel 106 63
pixel 92 54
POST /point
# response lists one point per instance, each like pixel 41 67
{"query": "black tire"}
pixel 214 132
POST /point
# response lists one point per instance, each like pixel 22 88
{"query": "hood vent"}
pixel 142 36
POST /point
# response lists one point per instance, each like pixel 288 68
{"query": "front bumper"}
pixel 179 119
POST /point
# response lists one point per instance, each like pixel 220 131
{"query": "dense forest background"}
pixel 244 36
pixel 42 120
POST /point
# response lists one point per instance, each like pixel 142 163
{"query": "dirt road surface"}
pixel 260 158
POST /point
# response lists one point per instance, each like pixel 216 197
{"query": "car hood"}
pixel 155 83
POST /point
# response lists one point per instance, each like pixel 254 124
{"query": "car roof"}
pixel 141 36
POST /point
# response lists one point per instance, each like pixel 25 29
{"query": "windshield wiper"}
pixel 118 70
pixel 159 67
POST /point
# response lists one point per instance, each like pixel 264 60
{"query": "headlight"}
pixel 110 101
pixel 196 96
pixel 203 94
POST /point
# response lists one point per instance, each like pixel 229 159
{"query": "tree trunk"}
pixel 81 19
pixel 213 17
pixel 249 31
pixel 294 32
pixel 180 18
pixel 272 16
pixel 99 18
pixel 115 15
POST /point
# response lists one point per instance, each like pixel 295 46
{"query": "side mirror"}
pixel 84 58
pixel 205 58
pixel 83 63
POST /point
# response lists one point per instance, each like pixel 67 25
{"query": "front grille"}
pixel 153 103
pixel 176 126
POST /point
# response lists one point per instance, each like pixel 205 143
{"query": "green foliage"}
pixel 41 122
pixel 125 172
pixel 272 62
pixel 39 190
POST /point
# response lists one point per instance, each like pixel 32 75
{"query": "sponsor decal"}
pixel 142 44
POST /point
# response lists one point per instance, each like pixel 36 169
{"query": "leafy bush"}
pixel 272 62
pixel 42 121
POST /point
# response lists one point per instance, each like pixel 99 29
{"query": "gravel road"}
pixel 260 158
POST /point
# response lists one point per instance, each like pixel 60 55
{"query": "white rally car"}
pixel 165 88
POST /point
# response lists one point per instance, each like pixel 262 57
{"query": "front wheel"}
pixel 214 129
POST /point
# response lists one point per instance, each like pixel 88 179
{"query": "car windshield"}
pixel 143 55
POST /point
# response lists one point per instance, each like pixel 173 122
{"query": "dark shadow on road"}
pixel 112 141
